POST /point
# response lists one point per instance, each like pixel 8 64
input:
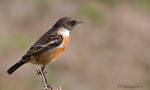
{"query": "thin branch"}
pixel 41 74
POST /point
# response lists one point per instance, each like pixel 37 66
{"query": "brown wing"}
pixel 42 45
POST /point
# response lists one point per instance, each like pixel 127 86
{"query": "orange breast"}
pixel 52 55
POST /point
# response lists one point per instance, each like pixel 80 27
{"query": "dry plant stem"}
pixel 41 74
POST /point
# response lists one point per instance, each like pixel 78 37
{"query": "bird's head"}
pixel 67 23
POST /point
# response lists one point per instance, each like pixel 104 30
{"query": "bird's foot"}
pixel 45 72
pixel 38 72
pixel 48 87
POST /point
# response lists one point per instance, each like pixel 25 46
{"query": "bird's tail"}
pixel 15 67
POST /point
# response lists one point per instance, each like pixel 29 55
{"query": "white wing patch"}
pixel 45 45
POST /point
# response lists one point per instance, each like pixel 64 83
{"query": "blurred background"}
pixel 111 47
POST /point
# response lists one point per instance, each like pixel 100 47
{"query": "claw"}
pixel 38 72
pixel 45 72
pixel 48 87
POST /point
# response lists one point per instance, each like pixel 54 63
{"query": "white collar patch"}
pixel 65 32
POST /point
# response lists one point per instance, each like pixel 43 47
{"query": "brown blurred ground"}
pixel 112 46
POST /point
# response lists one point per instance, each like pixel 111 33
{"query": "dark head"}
pixel 67 23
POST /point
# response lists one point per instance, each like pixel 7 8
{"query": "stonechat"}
pixel 50 46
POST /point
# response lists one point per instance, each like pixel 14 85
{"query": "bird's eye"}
pixel 72 23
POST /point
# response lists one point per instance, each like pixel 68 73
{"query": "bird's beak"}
pixel 79 22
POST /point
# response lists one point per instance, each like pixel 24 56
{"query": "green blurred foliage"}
pixel 140 2
pixel 109 2
pixel 42 6
pixel 16 40
pixel 91 11
pixel 23 39
pixel 113 2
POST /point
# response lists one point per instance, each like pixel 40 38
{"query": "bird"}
pixel 50 46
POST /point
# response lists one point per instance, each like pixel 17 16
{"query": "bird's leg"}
pixel 42 68
pixel 41 74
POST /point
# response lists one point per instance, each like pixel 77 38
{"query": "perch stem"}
pixel 41 74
